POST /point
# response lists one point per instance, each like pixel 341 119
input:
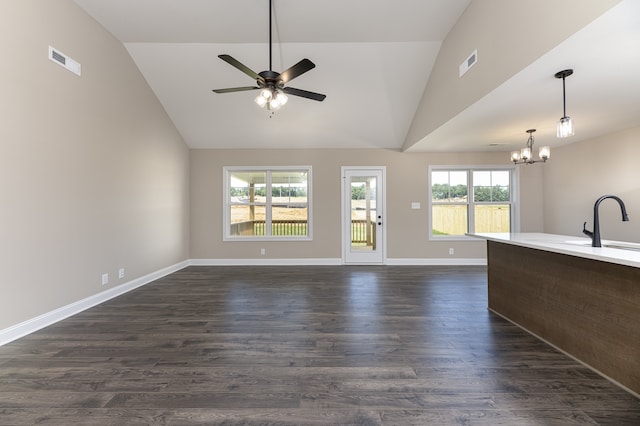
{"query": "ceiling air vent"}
pixel 468 63
pixel 64 61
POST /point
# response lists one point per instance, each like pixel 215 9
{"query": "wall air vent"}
pixel 468 63
pixel 64 61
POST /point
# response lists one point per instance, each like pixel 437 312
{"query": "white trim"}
pixel 515 199
pixel 258 239
pixel 267 262
pixel 226 170
pixel 34 324
pixel 338 262
pixel 345 204
pixel 514 202
pixel 437 262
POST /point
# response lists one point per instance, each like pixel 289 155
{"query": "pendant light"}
pixel 565 125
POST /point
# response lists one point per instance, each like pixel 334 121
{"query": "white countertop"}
pixel 572 246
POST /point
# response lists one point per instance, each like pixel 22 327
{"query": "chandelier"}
pixel 525 155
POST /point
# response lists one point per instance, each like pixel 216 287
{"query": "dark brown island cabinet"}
pixel 583 300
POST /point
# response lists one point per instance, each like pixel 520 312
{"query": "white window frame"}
pixel 513 188
pixel 228 170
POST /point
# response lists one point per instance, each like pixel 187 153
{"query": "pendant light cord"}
pixel 564 99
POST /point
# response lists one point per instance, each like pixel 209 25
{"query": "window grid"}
pixel 249 197
pixel 489 196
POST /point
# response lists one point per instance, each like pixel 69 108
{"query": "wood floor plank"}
pixel 119 417
pixel 301 345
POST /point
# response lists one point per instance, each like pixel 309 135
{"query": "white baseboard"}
pixel 266 262
pixel 34 324
pixel 438 262
pixel 337 261
pixel 19 330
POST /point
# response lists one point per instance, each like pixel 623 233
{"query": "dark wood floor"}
pixel 301 345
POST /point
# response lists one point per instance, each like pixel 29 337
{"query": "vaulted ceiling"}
pixel 373 61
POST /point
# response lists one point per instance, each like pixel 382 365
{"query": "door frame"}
pixel 345 213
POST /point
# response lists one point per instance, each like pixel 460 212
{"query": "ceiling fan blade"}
pixel 305 94
pixel 236 89
pixel 296 70
pixel 239 65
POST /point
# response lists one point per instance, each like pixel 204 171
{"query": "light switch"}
pixel 415 206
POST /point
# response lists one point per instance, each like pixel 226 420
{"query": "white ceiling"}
pixel 603 94
pixel 373 59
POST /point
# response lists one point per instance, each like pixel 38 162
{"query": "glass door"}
pixel 363 215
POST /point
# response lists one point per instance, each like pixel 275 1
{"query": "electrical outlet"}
pixel 105 279
pixel 121 273
pixel 451 251
pixel 263 251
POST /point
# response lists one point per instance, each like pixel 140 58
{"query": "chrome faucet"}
pixel 595 235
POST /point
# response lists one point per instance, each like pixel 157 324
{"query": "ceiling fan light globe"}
pixel 266 94
pixel 281 98
pixel 261 100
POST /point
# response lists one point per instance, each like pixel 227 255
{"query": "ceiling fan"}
pixel 271 83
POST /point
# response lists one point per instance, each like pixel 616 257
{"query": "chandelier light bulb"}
pixel 544 153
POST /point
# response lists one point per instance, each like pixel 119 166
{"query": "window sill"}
pixel 249 238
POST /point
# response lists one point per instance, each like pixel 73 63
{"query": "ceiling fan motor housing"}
pixel 270 79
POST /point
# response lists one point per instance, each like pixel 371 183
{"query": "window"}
pixel 455 210
pixel 267 203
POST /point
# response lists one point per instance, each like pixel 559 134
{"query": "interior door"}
pixel 363 210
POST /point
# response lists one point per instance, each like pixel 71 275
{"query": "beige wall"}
pixel 407 229
pixel 534 27
pixel 93 175
pixel 578 174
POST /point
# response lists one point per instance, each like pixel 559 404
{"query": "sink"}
pixel 623 246
pixel 608 244
pixel 578 242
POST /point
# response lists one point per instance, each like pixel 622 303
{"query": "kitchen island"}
pixel 583 300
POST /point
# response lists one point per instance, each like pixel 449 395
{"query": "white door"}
pixel 363 210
